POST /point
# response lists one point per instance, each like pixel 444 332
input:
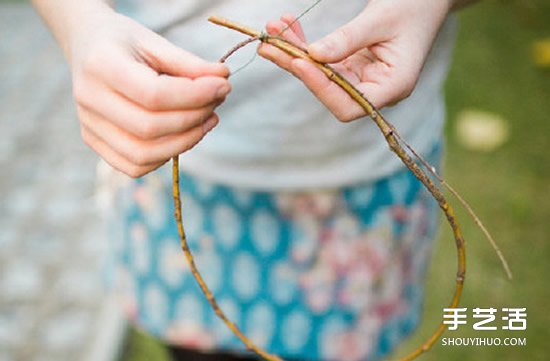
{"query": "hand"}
pixel 381 52
pixel 140 99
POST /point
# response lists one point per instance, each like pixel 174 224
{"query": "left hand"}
pixel 381 52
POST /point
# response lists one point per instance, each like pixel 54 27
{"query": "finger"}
pixel 364 30
pixel 387 92
pixel 330 94
pixel 136 120
pixel 277 56
pixel 144 152
pixel 388 83
pixel 295 26
pixel 276 28
pixel 386 86
pixel 113 158
pixel 153 91
pixel 165 57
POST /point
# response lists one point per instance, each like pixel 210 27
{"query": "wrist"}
pixel 69 19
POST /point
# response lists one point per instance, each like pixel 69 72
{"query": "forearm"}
pixel 66 17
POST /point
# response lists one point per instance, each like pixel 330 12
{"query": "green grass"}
pixel 141 347
pixel 509 188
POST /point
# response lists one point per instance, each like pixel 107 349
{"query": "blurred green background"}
pixel 493 71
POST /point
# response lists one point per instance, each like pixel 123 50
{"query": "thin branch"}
pixel 204 288
pixel 389 132
pixel 240 45
pixel 464 203
pixel 393 139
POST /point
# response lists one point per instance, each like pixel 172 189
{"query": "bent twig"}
pixel 393 139
pixel 389 132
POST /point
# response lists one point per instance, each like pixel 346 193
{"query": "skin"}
pixel 381 51
pixel 142 100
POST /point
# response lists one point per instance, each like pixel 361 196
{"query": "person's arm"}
pixel 65 17
pixel 382 52
pixel 140 99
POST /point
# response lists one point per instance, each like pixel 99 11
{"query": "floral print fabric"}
pixel 320 275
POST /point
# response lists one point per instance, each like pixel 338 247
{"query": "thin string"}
pixel 239 46
pixel 300 16
pixel 251 60
pixel 242 67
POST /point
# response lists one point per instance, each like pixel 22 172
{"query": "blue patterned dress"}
pixel 316 275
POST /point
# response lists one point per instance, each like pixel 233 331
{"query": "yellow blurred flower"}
pixel 541 52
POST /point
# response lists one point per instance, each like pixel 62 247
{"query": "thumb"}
pixel 364 30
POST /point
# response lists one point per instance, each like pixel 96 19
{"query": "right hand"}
pixel 381 52
pixel 140 99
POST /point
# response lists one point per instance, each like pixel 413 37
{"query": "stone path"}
pixel 52 306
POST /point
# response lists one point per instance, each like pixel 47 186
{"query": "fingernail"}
pixel 224 70
pixel 222 91
pixel 209 124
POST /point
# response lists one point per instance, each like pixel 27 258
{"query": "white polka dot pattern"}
pixel 316 275
pixel 331 328
pixel 243 197
pixel 259 323
pixel 190 309
pixel 245 276
pixel 205 189
pixel 295 330
pixel 211 268
pixel 173 267
pixel 231 309
pixel 264 232
pixel 361 196
pixel 283 282
pixel 192 216
pixel 226 225
pixel 399 187
pixel 155 306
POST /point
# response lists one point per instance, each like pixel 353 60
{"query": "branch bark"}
pixel 392 138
